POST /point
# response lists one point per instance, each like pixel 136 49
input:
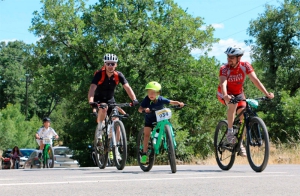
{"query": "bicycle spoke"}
pixel 257 151
pixel 223 151
pixel 258 145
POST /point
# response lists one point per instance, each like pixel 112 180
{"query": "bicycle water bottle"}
pixel 155 137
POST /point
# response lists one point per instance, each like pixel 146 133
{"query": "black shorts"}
pixel 108 101
pixel 149 120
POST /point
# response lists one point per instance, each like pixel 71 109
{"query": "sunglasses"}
pixel 231 57
pixel 110 64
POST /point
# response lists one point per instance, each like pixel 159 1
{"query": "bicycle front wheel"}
pixel 257 144
pixel 101 148
pixel 120 150
pixel 224 152
pixel 151 156
pixel 171 151
pixel 48 157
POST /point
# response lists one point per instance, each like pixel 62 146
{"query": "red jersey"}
pixel 235 77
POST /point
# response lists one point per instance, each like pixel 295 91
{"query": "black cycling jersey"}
pixel 105 91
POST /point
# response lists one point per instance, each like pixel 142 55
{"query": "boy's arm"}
pixel 140 109
pixel 55 134
pixel 181 104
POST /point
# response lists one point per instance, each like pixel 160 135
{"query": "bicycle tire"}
pixel 148 166
pixel 48 158
pixel 121 146
pixel 51 157
pixel 258 136
pixel 101 151
pixel 171 151
pixel 220 150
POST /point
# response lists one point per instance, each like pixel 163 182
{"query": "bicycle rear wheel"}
pixel 151 156
pixel 120 150
pixel 171 151
pixel 257 144
pixel 225 154
pixel 101 149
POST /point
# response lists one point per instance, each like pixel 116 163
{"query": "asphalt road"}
pixel 189 180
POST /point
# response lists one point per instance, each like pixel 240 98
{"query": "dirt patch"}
pixel 278 155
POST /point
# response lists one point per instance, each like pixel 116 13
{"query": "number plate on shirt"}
pixel 46 140
pixel 163 114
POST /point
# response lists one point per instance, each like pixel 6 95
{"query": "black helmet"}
pixel 46 119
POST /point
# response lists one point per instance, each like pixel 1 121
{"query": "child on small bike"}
pixel 44 132
pixel 152 101
pixel 15 155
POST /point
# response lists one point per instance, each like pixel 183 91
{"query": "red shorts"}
pixel 241 104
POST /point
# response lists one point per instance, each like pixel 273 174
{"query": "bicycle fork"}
pixel 114 142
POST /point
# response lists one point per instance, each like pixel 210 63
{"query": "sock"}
pixel 230 129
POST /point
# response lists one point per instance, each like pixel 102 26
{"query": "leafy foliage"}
pixel 276 52
pixel 14 130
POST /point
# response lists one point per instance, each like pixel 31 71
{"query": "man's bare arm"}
pixel 91 93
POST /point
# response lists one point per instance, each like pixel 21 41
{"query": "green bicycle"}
pixel 162 138
pixel 48 155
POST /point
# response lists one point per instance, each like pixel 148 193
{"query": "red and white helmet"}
pixel 234 51
pixel 110 58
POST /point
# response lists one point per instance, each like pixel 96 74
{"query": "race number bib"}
pixel 163 114
pixel 46 140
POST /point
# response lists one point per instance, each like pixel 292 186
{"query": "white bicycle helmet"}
pixel 234 51
pixel 110 58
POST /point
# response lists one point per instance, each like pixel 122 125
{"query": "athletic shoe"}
pixel 144 159
pixel 111 155
pixel 118 156
pixel 230 137
pixel 242 151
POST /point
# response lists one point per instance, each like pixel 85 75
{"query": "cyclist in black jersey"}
pixel 102 88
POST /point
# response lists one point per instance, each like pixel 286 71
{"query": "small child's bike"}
pixel 47 155
pixel 162 138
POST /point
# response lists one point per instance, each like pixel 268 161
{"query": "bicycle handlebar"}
pixel 53 138
pixel 262 99
pixel 173 106
pixel 235 100
pixel 111 105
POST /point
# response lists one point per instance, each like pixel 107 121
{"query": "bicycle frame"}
pixel 114 113
pixel 248 113
pixel 161 127
pixel 45 150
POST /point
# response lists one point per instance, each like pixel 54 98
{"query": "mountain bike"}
pixel 161 138
pixel 110 160
pixel 110 133
pixel 257 138
pixel 47 155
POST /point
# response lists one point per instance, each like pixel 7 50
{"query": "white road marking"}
pixel 144 179
pixel 110 176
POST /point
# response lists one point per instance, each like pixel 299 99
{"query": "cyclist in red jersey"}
pixel 232 76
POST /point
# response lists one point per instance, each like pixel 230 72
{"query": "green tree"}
pixel 153 40
pixel 12 70
pixel 14 130
pixel 276 51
